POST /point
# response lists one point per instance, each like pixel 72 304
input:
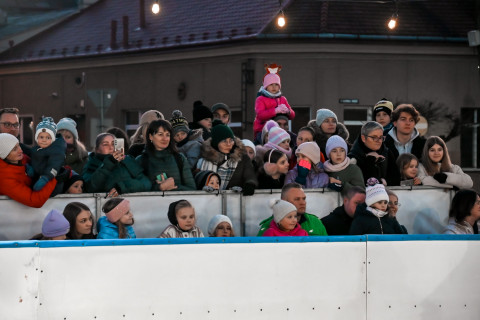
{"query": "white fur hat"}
pixel 281 209
pixel 215 221
pixel 7 143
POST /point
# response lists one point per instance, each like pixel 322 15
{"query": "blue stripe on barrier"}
pixel 422 237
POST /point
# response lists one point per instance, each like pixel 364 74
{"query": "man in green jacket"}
pixel 293 193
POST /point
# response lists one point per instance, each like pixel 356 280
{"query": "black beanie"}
pixel 172 217
pixel 200 111
pixel 220 132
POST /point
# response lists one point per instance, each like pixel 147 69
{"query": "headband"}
pixel 116 213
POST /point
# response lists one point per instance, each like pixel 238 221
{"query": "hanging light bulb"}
pixel 281 19
pixel 392 23
pixel 156 7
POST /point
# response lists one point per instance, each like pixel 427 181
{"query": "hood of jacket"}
pixel 321 138
pixel 211 154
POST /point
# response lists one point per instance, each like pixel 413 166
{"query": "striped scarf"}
pixel 225 170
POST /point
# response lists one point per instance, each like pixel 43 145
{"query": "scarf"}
pixel 377 213
pixel 270 145
pixel 329 167
pixel 267 94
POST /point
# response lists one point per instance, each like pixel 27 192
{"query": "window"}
pixel 302 117
pixel 354 118
pixel 132 119
pixel 236 122
pixel 27 129
pixel 470 137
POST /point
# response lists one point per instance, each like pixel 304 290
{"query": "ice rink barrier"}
pixel 424 210
pixel 351 277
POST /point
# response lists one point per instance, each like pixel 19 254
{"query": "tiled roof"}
pixel 187 23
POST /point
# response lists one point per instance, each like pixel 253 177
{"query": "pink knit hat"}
pixel 277 135
pixel 271 78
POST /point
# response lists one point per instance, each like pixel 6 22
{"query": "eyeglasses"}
pixel 376 139
pixel 10 125
pixel 394 203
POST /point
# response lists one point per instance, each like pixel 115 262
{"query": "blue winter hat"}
pixel 323 114
pixel 335 142
pixel 55 224
pixel 68 124
pixel 46 125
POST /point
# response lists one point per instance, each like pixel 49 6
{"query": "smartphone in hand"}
pixel 119 143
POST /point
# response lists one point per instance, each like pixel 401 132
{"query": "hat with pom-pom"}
pixel 267 126
pixel 68 124
pixel 323 114
pixel 55 224
pixel 179 122
pixel 215 221
pixel 200 111
pixel 310 150
pixel 375 192
pixel 277 135
pixel 281 209
pixel 335 142
pixel 46 125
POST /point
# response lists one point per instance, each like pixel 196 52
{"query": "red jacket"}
pixel 274 231
pixel 18 186
pixel 265 110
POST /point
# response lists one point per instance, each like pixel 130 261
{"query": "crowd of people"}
pixel 175 154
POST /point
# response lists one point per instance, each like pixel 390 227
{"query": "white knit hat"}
pixel 215 221
pixel 7 143
pixel 248 143
pixel 310 150
pixel 375 192
pixel 281 209
pixel 335 142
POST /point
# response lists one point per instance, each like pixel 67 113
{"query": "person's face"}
pixel 84 222
pixel 380 205
pixel 179 136
pixel 298 198
pixel 304 136
pixel 186 218
pixel 250 153
pixel 207 123
pixel 435 153
pixel 161 139
pixel 222 115
pixel 350 205
pixel 273 88
pixel 67 136
pixel 337 155
pixel 62 237
pixel 475 212
pixel 301 156
pixel 226 145
pixel 76 187
pixel 411 169
pixel 10 120
pixel 283 164
pixel 282 123
pixel 106 146
pixel 289 222
pixel 44 140
pixel 392 204
pixel 285 144
pixel 405 123
pixel 127 218
pixel 214 182
pixel 16 154
pixel 329 126
pixel 224 229
pixel 383 118
pixel 374 140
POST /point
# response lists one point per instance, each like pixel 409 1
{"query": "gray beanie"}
pixel 281 209
pixel 7 143
pixel 323 114
pixel 221 105
pixel 68 124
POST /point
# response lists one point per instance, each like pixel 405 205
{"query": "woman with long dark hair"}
pixel 81 221
pixel 464 213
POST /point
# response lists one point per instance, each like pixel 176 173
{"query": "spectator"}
pixel 282 120
pixel 188 142
pixel 407 163
pixel 54 227
pixel 373 157
pixel 339 221
pixel 74 184
pixel 305 134
pixel 262 138
pixel 120 134
pixel 343 174
pixel 109 170
pixel 272 174
pixel 392 207
pixel 202 119
pixel 294 194
pixel 251 152
pixel 220 226
pixel 117 222
pixel 326 125
pixel 382 113
pixel 309 170
pixel 164 166
pixel 9 124
pixel 15 183
pixel 76 153
pixel 80 219
pixel 221 112
pixel 372 217
pixel 277 139
pixel 437 170
pixel 225 154
pixel 181 215
pixel 404 137
pixel 464 213
pixel 284 221
pixel 207 180
pixel 139 138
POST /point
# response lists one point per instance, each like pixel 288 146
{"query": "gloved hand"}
pixel 249 189
pixel 29 170
pixel 209 189
pixel 236 189
pixel 63 175
pixel 335 186
pixel 41 182
pixel 440 177
pixel 303 168
pixel 281 108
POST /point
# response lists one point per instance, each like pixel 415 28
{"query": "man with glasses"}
pixel 404 137
pixel 9 123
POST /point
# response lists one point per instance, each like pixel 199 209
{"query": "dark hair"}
pixel 119 133
pixel 153 129
pixel 71 211
pixel 408 108
pixel 287 187
pixel 404 160
pixel 352 192
pixel 99 139
pixel 109 205
pixel 309 129
pixel 430 167
pixel 462 204
pixel 9 110
pixel 274 155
